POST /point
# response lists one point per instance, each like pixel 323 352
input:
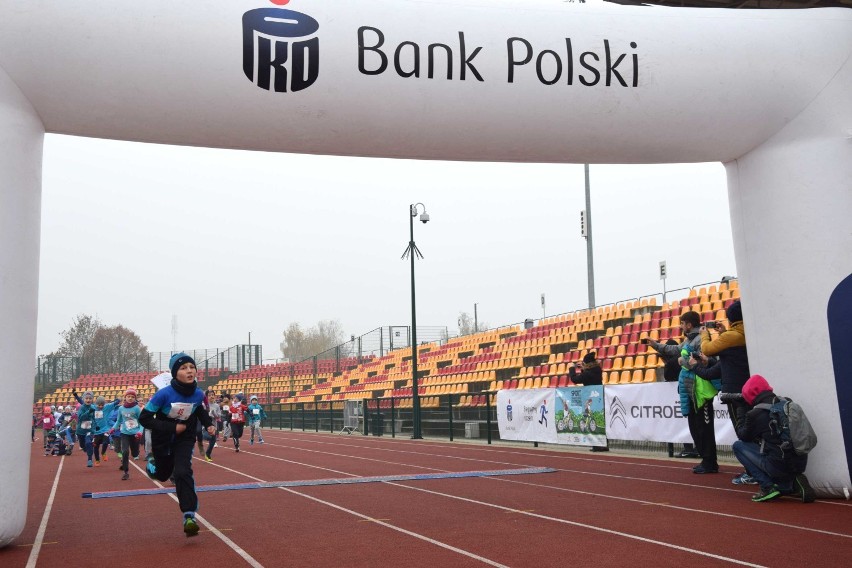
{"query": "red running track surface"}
pixel 597 509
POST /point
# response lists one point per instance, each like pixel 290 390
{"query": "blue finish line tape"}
pixel 314 482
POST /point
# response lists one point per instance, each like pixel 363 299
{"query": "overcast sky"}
pixel 235 242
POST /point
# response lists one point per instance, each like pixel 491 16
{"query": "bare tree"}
pixel 117 350
pixel 299 344
pixel 467 325
pixel 78 336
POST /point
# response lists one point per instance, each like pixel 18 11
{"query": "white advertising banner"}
pixel 527 415
pixel 651 412
pixel 573 415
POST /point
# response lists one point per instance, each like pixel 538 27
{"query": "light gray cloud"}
pixel 236 242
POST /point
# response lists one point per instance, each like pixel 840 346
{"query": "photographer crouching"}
pixel 777 470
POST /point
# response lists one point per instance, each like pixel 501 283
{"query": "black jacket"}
pixel 590 376
pixel 756 428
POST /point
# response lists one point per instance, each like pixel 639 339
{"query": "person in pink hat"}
pixel 759 449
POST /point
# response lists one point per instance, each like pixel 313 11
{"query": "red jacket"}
pixel 238 412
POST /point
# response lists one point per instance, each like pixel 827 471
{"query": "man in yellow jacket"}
pixel 730 347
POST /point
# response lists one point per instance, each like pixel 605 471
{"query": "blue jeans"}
pixel 765 470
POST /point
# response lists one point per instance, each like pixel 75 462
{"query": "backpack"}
pixel 789 423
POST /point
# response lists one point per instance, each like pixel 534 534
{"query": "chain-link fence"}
pixel 211 363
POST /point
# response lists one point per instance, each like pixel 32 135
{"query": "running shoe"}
pixel 104 457
pixel 251 442
pixel 208 459
pixel 151 468
pixel 136 458
pixel 190 527
pixel 97 463
pixel 804 489
pixel 260 441
pixel 89 463
pixel 744 479
pixel 702 469
pixel 126 476
pixel 766 494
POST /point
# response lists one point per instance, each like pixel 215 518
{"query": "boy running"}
pixel 85 420
pixel 171 415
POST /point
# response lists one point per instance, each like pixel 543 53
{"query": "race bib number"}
pixel 255 411
pixel 99 414
pixel 47 420
pixel 226 408
pixel 86 425
pixel 130 423
pixel 180 410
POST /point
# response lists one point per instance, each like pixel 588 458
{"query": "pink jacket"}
pixel 48 422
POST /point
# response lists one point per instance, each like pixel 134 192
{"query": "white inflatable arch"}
pixel 766 92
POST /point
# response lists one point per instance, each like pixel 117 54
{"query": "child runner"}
pixel 48 424
pixel 238 418
pixel 171 415
pixel 216 416
pixel 85 421
pixel 218 422
pixel 226 418
pixel 127 423
pixel 101 426
pixel 255 416
pixel 70 427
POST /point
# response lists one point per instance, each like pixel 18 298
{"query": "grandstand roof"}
pixel 747 4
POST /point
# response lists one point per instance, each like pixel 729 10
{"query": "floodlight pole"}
pixel 590 259
pixel 411 251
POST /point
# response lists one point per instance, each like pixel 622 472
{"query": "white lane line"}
pixel 230 543
pixel 39 539
pixel 675 507
pixel 577 491
pixel 375 521
pixel 500 507
pixel 582 525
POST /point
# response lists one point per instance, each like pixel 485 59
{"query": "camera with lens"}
pixel 730 396
pixel 710 324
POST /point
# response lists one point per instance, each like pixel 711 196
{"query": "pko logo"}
pixel 280 49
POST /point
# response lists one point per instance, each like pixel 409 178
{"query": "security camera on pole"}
pixel 410 252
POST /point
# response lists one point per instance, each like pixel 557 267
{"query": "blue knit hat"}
pixel 177 360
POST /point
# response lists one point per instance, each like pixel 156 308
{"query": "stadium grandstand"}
pixel 739 4
pixel 521 356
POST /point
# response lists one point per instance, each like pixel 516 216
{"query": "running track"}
pixel 597 509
